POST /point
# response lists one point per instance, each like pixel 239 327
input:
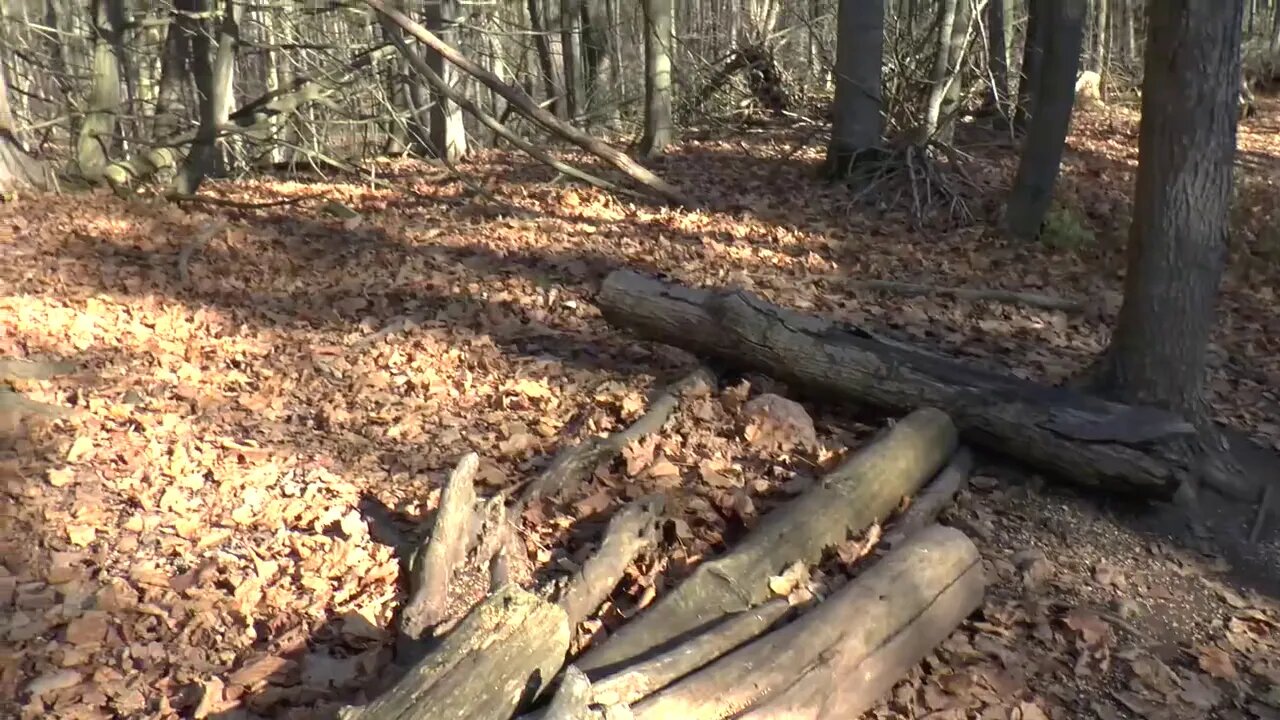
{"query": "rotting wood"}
pixel 444 548
pixel 1073 437
pixel 502 654
pixel 518 99
pixel 572 700
pixel 571 465
pixel 631 531
pixel 838 659
pixel 643 679
pixel 863 490
pixel 1008 297
pixel 930 502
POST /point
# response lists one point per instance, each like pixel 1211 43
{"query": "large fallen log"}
pixel 839 659
pixel 497 659
pixel 1074 437
pixel 862 490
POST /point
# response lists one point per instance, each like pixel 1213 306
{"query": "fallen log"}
pixel 930 502
pixel 1078 438
pixel 863 490
pixel 1008 297
pixel 840 658
pixel 498 658
pixel 445 547
pixel 631 531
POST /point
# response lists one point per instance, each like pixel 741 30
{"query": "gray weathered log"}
pixel 444 549
pixel 1071 436
pixel 572 700
pixel 498 658
pixel 930 502
pixel 837 660
pixel 631 531
pixel 573 464
pixel 863 490
pixel 643 679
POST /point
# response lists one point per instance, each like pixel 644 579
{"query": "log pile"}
pixel 728 641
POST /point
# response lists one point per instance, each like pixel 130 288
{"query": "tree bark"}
pixel 839 659
pixel 1073 437
pixel 96 139
pixel 1102 38
pixel 17 168
pixel 214 70
pixel 857 123
pixel 1177 242
pixel 659 39
pixel 542 47
pixel 498 658
pixel 446 133
pixel 571 54
pixel 938 77
pixel 1046 138
pixel 863 490
pixel 998 53
pixel 1032 61
pixel 958 48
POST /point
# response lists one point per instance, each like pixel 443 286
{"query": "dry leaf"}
pixel 1217 663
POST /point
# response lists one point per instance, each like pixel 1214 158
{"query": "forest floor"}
pixel 264 411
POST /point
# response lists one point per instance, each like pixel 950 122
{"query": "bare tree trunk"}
pixel 1128 36
pixel 214 71
pixel 1101 37
pixel 856 124
pixel 447 135
pixel 542 46
pixel 571 52
pixel 17 168
pixel 998 14
pixel 1050 120
pixel 1177 242
pixel 941 65
pixel 1275 32
pixel 1032 60
pixel 958 48
pixel 659 37
pixel 94 145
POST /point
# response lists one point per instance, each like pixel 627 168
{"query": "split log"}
pixel 444 548
pixel 643 679
pixel 930 502
pixel 1008 297
pixel 863 490
pixel 631 531
pixel 573 464
pixel 840 658
pixel 531 109
pixel 1078 438
pixel 497 659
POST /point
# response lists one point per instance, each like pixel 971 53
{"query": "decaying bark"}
pixel 576 463
pixel 443 550
pixel 573 698
pixel 863 490
pixel 499 657
pixel 518 99
pixel 643 679
pixel 1074 437
pixel 631 531
pixel 930 502
pixel 837 660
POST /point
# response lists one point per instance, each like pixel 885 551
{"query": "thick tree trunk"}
pixel 214 70
pixel 998 39
pixel 1275 32
pixel 1075 438
pixel 1128 34
pixel 864 489
pixel 1101 36
pixel 1042 149
pixel 839 659
pixel 659 41
pixel 542 46
pixel 447 135
pixel 1177 242
pixel 1032 60
pixel 96 140
pixel 571 54
pixel 857 123
pixel 17 168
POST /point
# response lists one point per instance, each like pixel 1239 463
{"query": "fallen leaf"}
pixel 1217 663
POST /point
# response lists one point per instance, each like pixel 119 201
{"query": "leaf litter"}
pixel 259 419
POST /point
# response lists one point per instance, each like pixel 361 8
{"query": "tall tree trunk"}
pixel 856 124
pixel 96 140
pixel 1050 120
pixel 1101 37
pixel 542 46
pixel 17 168
pixel 1128 34
pixel 999 12
pixel 941 66
pixel 659 37
pixel 447 134
pixel 571 51
pixel 1032 60
pixel 174 72
pixel 1177 242
pixel 1275 32
pixel 214 72
pixel 957 50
